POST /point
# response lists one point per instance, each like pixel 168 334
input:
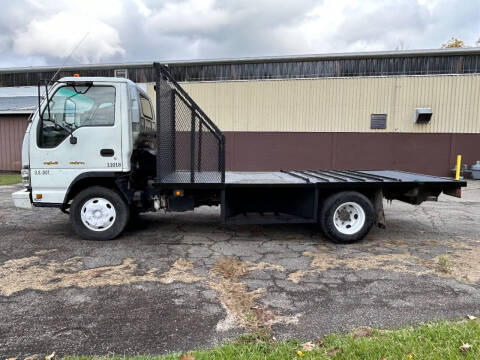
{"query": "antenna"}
pixel 68 57
pixel 53 77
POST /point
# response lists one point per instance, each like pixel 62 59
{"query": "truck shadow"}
pixel 208 225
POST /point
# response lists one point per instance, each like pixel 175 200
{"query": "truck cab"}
pixel 84 132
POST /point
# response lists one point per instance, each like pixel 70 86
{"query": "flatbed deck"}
pixel 329 176
pixel 320 177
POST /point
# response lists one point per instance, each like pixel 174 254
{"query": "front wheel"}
pixel 346 217
pixel 99 213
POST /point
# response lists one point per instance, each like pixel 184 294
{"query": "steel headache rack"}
pixel 190 147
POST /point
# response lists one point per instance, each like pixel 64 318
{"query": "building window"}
pixel 378 121
pixel 121 73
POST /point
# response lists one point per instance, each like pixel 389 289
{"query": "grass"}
pixel 428 341
pixel 444 264
pixel 10 179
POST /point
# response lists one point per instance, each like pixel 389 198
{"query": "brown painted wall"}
pixel 431 154
pixel 12 129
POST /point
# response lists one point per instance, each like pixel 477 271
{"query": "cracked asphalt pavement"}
pixel 176 282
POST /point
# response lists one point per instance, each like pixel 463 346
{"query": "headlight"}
pixel 25 177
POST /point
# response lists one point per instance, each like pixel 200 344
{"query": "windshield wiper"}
pixel 64 127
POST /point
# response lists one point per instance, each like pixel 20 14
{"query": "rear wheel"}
pixel 346 217
pixel 99 213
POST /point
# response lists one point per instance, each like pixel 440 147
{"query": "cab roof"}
pixel 82 79
pixel 95 79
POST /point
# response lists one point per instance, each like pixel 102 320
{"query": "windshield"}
pixel 75 106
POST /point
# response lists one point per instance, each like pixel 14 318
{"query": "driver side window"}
pixel 72 107
pixel 51 133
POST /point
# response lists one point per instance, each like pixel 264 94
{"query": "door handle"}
pixel 107 152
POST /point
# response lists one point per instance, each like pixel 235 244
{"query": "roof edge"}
pixel 284 58
pixel 17 112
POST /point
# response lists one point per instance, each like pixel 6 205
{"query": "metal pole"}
pixel 158 77
pixel 222 157
pixel 192 148
pixel 199 167
pixel 459 164
pixel 174 133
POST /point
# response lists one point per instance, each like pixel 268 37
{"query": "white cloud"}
pixel 55 33
pixel 369 25
pixel 35 32
pixel 316 32
pixel 57 36
pixel 190 17
pixel 4 42
pixel 142 8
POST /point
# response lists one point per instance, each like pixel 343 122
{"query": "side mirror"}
pixel 73 140
pixel 69 112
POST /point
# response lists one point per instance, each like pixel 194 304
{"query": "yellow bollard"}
pixel 459 163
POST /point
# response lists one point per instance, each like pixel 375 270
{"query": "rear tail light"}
pixel 459 192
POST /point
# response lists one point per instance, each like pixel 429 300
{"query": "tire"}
pixel 99 213
pixel 134 219
pixel 134 215
pixel 346 217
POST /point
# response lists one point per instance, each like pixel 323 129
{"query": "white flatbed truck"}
pixel 96 150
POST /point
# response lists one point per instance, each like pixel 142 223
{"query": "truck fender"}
pixel 92 178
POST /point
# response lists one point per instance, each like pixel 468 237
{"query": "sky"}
pixel 57 32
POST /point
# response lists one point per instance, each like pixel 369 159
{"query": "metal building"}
pixel 406 110
pixel 14 112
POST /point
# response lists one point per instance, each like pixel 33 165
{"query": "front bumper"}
pixel 21 199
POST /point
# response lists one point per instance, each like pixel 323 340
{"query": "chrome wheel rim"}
pixel 98 214
pixel 349 218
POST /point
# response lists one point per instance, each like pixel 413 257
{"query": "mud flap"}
pixel 379 213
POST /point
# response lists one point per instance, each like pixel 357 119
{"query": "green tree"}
pixel 454 43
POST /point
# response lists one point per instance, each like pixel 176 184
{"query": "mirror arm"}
pixel 39 102
pixel 48 100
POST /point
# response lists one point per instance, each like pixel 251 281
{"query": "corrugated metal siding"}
pixel 314 68
pixel 429 62
pixel 341 104
pixel 12 129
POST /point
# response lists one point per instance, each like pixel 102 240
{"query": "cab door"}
pixel 78 131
